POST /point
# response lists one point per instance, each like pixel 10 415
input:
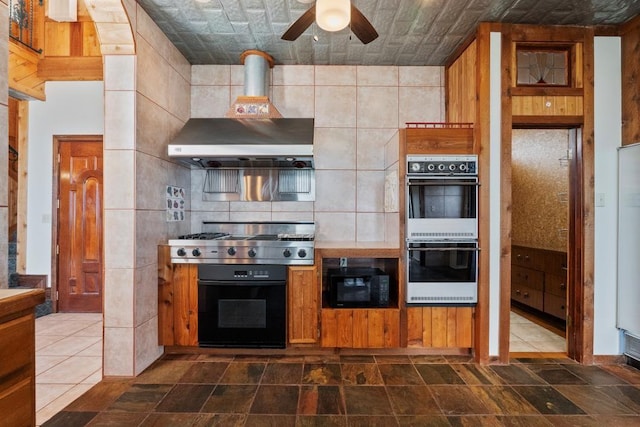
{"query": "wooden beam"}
pixel 23 136
pixel 71 68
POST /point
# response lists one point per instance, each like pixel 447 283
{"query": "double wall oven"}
pixel 442 230
pixel 242 271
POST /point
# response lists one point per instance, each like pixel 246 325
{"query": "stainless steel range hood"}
pixel 248 142
pixel 253 134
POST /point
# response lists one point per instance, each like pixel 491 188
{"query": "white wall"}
pixel 71 108
pixel 608 120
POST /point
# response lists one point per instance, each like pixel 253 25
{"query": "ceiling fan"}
pixel 333 15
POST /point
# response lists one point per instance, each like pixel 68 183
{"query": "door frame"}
pixel 57 140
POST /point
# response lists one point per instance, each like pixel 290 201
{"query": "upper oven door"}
pixel 442 208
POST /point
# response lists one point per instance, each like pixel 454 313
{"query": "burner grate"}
pixel 202 236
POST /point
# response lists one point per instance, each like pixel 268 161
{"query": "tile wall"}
pixel 4 133
pixel 357 111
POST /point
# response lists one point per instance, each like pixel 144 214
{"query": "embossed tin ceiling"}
pixel 412 32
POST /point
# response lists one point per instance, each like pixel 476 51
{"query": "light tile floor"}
pixel 68 359
pixel 69 355
pixel 527 336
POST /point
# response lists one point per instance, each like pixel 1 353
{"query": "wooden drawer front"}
pixel 556 285
pixel 527 257
pixel 531 297
pixel 17 346
pixel 555 305
pixel 17 404
pixel 556 263
pixel 440 327
pixel 527 277
pixel 360 328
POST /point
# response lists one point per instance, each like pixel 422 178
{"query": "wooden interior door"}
pixel 80 238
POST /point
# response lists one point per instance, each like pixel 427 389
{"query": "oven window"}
pixel 242 313
pixel 442 262
pixel 429 198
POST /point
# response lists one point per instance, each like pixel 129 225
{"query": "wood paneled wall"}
pixel 631 82
pixel 461 87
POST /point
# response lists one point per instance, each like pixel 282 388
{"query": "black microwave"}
pixel 358 287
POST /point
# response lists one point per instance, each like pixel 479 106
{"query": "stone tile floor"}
pixel 338 390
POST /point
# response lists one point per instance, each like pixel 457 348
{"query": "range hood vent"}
pixel 252 135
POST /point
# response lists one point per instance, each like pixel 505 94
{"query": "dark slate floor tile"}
pixel 388 358
pixel 515 374
pixel 67 418
pixel 118 419
pixel 617 420
pixel 270 421
pixel 438 374
pixel 523 421
pixel 548 400
pixel 412 400
pixel 276 399
pixel 473 374
pixel 164 372
pixel 457 400
pixel 172 420
pixel 230 399
pixel 503 400
pixel 626 372
pixel 243 373
pixel 594 400
pixel 428 358
pixel 141 398
pixel 204 372
pixel 555 374
pixel 220 420
pixel 321 373
pixel 541 360
pixel 400 374
pixel 361 373
pixel 423 421
pixel 368 421
pixel 185 398
pixel 282 373
pixel 575 421
pixel 366 400
pixel 100 396
pixel 595 375
pixel 321 421
pixel 626 394
pixel 459 358
pixel 497 420
pixel 320 399
pixel 357 359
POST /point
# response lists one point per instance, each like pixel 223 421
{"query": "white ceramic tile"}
pixel 119 72
pixel 44 362
pixel 119 120
pixel 249 216
pixel 340 226
pixel 392 150
pixel 370 227
pixel 235 92
pixel 68 346
pixel 334 148
pixel 146 290
pixel 306 207
pixel 249 207
pixel 294 101
pixel 378 107
pixel 292 216
pixel 147 348
pixel 210 75
pixel 237 75
pixel 421 76
pixel 119 247
pixel 151 182
pixel 119 179
pixel 293 75
pixel 377 76
pixel 43 341
pixel 421 105
pixel 61 327
pixel 61 402
pixel 118 352
pixel 335 191
pixel 119 297
pixel 209 101
pixel 335 106
pixel 94 350
pixel 392 229
pixel 73 370
pixel 335 75
pixel 93 330
pixel 155 127
pixel 371 147
pixel 198 217
pixel 47 393
pixel 151 231
pixel 370 191
pixel 521 346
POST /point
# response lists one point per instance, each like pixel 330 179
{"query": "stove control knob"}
pixel 286 253
pixel 302 253
pixel 452 167
pixel 196 252
pixel 252 253
pixel 441 167
pixel 181 252
pixel 231 251
pixel 415 167
pixel 463 167
pixel 431 167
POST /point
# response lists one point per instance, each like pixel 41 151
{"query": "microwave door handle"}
pixel 440 183
pixel 443 249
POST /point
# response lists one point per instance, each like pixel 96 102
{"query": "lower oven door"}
pixel 442 273
pixel 242 314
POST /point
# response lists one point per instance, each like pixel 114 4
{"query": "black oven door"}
pixel 442 273
pixel 242 314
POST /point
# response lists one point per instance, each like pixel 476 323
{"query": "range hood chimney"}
pixel 253 133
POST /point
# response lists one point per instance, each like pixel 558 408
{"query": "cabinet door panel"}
pixel 302 305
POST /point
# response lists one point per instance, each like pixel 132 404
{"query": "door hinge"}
pixel 58 157
pixel 58 203
pixel 57 295
pixel 57 249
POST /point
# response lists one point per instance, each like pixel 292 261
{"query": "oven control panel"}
pixel 442 165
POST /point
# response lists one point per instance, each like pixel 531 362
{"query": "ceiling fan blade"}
pixel 300 25
pixel 361 26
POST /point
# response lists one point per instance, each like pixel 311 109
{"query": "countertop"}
pixel 14 300
pixel 350 244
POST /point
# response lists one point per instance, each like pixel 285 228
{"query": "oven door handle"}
pixel 254 283
pixel 440 183
pixel 443 249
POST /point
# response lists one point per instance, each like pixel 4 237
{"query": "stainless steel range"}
pixel 247 243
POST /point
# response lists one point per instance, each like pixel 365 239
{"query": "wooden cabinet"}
pixel 440 327
pixel 18 356
pixel 539 279
pixel 361 328
pixel 177 301
pixel 302 305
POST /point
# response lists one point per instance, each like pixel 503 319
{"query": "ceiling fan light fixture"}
pixel 333 15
